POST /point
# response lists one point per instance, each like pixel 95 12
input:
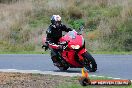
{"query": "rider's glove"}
pixel 60 47
pixel 45 46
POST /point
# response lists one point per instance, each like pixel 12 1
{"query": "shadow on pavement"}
pixel 69 71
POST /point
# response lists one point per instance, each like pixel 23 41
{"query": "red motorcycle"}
pixel 74 53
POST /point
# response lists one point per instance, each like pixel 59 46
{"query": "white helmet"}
pixel 56 20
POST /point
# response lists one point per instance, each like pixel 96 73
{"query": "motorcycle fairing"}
pixel 69 57
pixel 72 37
pixel 80 53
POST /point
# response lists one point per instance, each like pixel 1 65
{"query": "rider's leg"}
pixel 54 57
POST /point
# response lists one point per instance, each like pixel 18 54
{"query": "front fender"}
pixel 81 52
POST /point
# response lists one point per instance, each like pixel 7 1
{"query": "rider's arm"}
pixel 48 38
pixel 48 32
pixel 54 46
pixel 49 42
pixel 66 29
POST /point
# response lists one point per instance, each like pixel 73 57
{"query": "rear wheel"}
pixel 63 65
pixel 89 62
pixel 63 68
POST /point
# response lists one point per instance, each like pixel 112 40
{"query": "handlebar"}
pixel 63 43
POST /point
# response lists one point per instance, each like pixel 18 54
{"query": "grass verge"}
pixel 25 52
pixel 112 52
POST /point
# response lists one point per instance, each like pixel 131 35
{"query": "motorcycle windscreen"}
pixel 70 35
pixel 73 37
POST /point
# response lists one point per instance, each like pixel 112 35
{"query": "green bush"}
pixel 126 30
pixel 120 39
pixel 76 23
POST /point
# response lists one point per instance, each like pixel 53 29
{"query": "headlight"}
pixel 75 46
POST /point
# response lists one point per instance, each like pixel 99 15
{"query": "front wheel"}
pixel 89 62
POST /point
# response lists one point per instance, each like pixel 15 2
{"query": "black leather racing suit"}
pixel 53 36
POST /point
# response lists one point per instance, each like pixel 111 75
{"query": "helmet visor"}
pixel 57 23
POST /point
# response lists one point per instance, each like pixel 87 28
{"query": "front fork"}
pixel 82 60
pixel 80 54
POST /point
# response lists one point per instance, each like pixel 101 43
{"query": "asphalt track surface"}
pixel 117 66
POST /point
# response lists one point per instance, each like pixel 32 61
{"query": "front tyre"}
pixel 89 62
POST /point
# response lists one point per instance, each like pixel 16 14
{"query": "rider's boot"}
pixel 55 61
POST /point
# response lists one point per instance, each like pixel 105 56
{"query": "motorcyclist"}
pixel 54 33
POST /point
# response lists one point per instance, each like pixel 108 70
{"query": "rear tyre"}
pixel 89 62
pixel 63 68
pixel 63 65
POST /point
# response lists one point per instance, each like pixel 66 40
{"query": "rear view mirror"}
pixel 80 30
